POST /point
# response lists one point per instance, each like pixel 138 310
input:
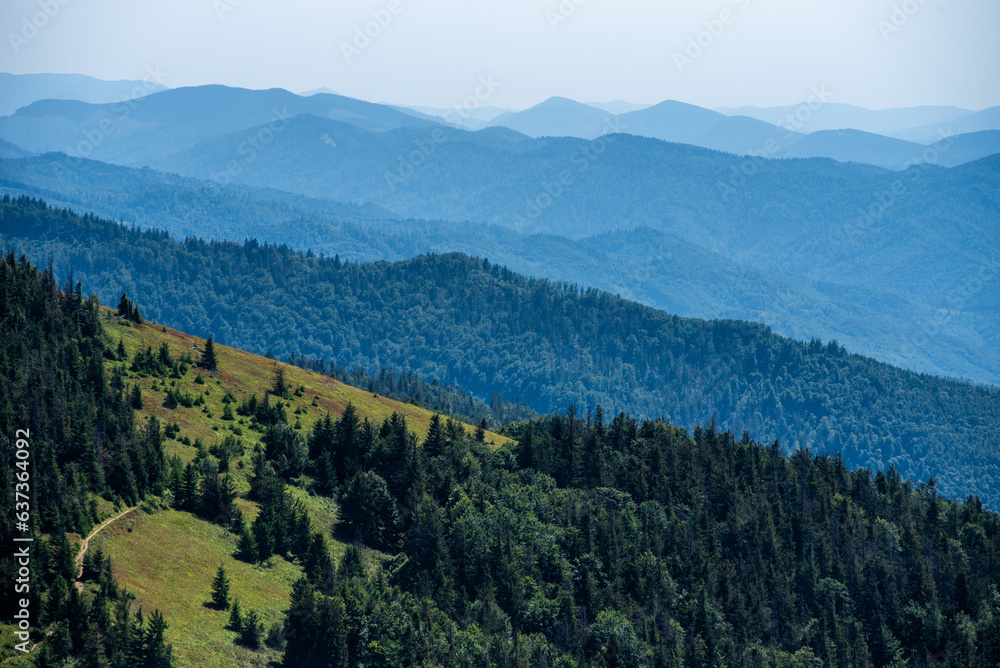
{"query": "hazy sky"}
pixel 875 53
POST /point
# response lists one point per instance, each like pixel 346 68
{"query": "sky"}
pixel 873 53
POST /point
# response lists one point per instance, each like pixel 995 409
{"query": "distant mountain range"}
pixel 20 90
pixel 158 125
pixel 174 120
pixel 696 276
pixel 880 260
pixel 838 116
pixel 785 136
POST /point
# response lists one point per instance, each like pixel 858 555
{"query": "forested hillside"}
pixel 82 440
pixel 647 265
pixel 453 318
pixel 590 542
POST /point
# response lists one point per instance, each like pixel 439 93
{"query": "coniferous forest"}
pixel 84 440
pixel 452 318
pixel 591 539
pixel 508 334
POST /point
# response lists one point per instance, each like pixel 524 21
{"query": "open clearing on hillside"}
pixel 168 560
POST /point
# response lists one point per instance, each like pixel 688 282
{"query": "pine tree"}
pixel 188 497
pixel 220 589
pixel 136 397
pixel 227 493
pixel 280 386
pixel 250 634
pixel 236 617
pixel 481 431
pixel 208 359
pixel 124 306
pixel 435 441
pixel 247 547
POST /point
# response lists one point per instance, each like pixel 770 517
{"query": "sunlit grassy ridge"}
pixel 168 558
pixel 245 374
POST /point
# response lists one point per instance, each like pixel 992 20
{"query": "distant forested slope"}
pixel 644 264
pixel 549 345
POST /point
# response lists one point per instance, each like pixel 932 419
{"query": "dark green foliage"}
pixel 236 617
pixel 128 310
pixel 263 412
pixel 637 544
pixel 252 632
pixel 411 388
pixel 208 359
pixel 220 589
pixel 549 345
pixel 81 433
pixel 280 387
pixel 368 510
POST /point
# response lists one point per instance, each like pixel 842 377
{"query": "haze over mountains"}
pixel 798 244
pixel 19 90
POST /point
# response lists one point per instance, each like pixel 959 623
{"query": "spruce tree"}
pixel 280 386
pixel 236 617
pixel 247 547
pixel 481 431
pixel 220 589
pixel 208 360
pixel 435 441
pixel 250 634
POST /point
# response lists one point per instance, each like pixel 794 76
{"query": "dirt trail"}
pixel 79 558
pixel 86 544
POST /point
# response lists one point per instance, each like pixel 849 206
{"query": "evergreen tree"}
pixel 236 617
pixel 208 359
pixel 247 546
pixel 481 431
pixel 435 442
pixel 369 511
pixel 220 589
pixel 279 387
pixel 252 632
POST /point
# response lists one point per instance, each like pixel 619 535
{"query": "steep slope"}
pixel 456 318
pixel 628 538
pixel 242 375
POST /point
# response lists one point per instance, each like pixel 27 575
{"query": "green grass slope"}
pixel 168 558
